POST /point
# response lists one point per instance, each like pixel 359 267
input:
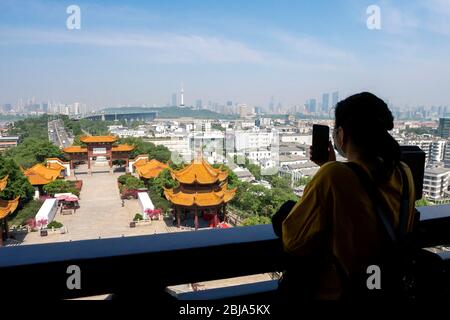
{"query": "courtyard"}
pixel 101 214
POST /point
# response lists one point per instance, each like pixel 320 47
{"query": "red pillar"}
pixel 196 219
pixel 110 162
pixel 89 162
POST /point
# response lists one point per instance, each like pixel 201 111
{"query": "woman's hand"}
pixel 331 155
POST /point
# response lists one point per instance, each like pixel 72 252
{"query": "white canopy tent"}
pixel 47 212
pixel 145 203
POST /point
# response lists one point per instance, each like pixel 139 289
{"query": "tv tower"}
pixel 182 96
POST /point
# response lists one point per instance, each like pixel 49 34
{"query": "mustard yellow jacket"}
pixel 336 215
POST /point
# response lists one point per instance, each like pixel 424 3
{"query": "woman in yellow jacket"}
pixel 335 219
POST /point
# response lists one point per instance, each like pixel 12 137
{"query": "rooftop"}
pixel 149 169
pixel 289 158
pixel 41 175
pixel 8 206
pixel 75 149
pixel 199 171
pixel 98 139
pixel 200 199
pixel 10 138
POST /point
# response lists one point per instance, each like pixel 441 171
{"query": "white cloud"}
pixel 177 47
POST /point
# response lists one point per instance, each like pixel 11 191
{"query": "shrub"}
pixel 61 186
pixel 138 217
pixel 130 182
pixel 54 224
pixel 123 178
pixel 27 212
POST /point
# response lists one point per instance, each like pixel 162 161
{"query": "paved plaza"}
pixel 101 214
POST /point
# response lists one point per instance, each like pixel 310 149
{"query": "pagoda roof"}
pixel 8 206
pixel 97 139
pixel 199 171
pixel 118 148
pixel 149 169
pixel 41 175
pixel 208 199
pixel 75 149
pixel 3 183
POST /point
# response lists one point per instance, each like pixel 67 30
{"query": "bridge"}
pixel 137 116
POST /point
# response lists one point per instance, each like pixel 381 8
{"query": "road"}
pixel 57 134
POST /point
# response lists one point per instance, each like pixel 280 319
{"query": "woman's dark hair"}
pixel 366 119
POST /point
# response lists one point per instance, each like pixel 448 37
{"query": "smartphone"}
pixel 320 140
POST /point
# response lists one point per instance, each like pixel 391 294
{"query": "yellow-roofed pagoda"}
pixel 202 191
pixel 6 207
pixel 98 147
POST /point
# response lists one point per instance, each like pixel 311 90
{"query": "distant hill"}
pixel 172 112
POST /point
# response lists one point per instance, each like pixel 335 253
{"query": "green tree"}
pixel 303 181
pixel 160 153
pixel 164 180
pixel 35 127
pixel 131 182
pixel 18 184
pixel 256 220
pixel 32 151
pixel 254 169
pixel 279 182
pixel 77 141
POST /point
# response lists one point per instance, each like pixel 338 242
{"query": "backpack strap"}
pixel 404 206
pixel 375 196
pixel 373 193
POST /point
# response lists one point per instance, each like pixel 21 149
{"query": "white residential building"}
pixel 252 139
pixel 435 183
pixel 447 155
pixel 257 155
pixel 243 174
pixel 437 151
pixel 297 138
pixel 294 149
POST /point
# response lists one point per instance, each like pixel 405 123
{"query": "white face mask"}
pixel 336 147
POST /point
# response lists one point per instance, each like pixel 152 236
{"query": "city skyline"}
pixel 138 54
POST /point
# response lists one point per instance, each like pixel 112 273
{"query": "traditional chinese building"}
pixel 148 169
pixel 98 150
pixel 39 175
pixel 6 208
pixel 202 192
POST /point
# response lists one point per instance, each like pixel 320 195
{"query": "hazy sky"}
pixel 139 52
